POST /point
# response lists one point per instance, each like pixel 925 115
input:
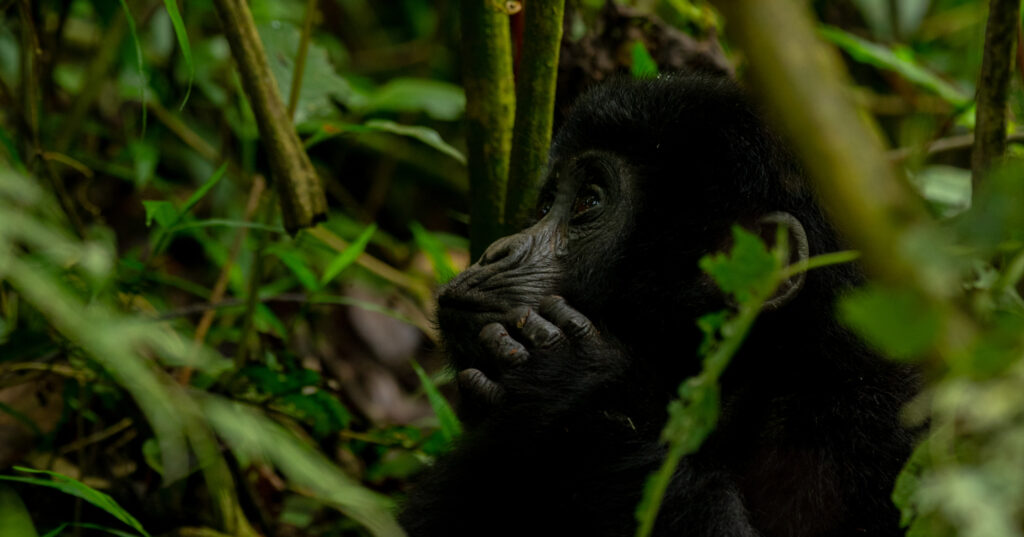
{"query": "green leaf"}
pixel 749 269
pixel 348 255
pixel 183 43
pixel 643 65
pixel 424 134
pixel 203 189
pixel 879 56
pixel 14 518
pixel 439 100
pixel 78 489
pixel 321 84
pixel 435 251
pixel 297 265
pixel 899 322
pixel 163 212
pixel 451 428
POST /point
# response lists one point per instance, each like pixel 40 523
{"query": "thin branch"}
pixel 535 106
pixel 300 58
pixel 303 202
pixel 942 145
pixel 206 321
pixel 994 86
pixel 490 112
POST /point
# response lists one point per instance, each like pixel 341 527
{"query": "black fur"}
pixel 565 416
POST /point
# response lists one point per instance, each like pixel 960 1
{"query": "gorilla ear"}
pixel 768 226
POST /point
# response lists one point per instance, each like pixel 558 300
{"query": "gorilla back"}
pixel 571 336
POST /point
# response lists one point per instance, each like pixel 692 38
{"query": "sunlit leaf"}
pixel 435 250
pixel 78 489
pixel 348 255
pixel 14 518
pixel 451 428
pixel 643 65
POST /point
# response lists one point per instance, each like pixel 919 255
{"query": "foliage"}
pixel 194 348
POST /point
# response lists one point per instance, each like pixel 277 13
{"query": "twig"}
pixel 490 112
pixel 98 436
pixel 252 298
pixel 535 105
pixel 31 52
pixel 183 132
pixel 942 145
pixel 300 58
pixel 258 184
pixel 303 202
pixel 994 86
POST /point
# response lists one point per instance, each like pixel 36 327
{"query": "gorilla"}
pixel 571 337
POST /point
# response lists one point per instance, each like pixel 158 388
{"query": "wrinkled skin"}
pixel 570 338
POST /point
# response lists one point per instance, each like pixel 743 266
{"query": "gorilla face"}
pixel 583 216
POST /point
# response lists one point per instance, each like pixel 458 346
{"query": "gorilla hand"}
pixel 552 357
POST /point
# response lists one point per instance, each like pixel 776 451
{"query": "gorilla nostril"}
pixel 510 247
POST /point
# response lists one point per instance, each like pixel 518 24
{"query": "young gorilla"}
pixel 571 337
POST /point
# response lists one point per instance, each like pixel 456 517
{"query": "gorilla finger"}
pixel 476 383
pixel 573 324
pixel 508 351
pixel 538 330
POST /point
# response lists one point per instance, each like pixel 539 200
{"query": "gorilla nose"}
pixel 509 249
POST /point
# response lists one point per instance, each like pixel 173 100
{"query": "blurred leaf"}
pixel 996 217
pixel 748 270
pixel 947 188
pixel 183 43
pixel 254 436
pixel 439 100
pixel 450 426
pixel 643 65
pixel 14 518
pixel 435 251
pixel 145 157
pixel 884 58
pixel 151 454
pixel 424 134
pixel 898 322
pixel 163 212
pixel 347 256
pixel 78 489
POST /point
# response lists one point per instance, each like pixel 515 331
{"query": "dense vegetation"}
pixel 182 353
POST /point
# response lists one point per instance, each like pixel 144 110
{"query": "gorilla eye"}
pixel 587 199
pixel 544 207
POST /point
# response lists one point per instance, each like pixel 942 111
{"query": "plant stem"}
pixel 994 86
pixel 490 109
pixel 303 202
pixel 535 106
pixel 300 58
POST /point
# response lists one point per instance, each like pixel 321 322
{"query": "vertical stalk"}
pixel 993 86
pixel 303 202
pixel 300 58
pixel 535 106
pixel 490 108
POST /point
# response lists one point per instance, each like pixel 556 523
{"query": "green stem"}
pixel 300 58
pixel 490 109
pixel 303 202
pixel 994 85
pixel 535 100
